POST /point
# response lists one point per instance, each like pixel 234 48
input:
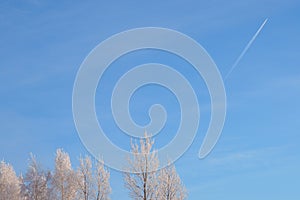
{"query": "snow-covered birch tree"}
pixel 141 176
pixel 170 185
pixel 9 183
pixel 85 181
pixel 23 189
pixel 36 182
pixel 102 182
pixel 64 178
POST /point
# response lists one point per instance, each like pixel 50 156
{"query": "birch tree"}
pixel 64 178
pixel 85 181
pixel 170 185
pixel 23 189
pixel 102 181
pixel 36 181
pixel 141 178
pixel 9 183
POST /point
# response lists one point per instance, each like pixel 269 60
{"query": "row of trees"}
pixel 64 183
pixel 90 181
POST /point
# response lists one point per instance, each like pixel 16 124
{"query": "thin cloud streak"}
pixel 246 49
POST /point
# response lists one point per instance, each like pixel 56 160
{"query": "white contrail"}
pixel 246 48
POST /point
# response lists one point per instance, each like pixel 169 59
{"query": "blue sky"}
pixel 257 157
